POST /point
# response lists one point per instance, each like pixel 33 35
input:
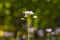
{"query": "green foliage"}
pixel 46 10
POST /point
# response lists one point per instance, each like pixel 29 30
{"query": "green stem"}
pixel 48 34
pixel 28 21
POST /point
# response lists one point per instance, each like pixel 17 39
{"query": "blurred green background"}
pixel 48 12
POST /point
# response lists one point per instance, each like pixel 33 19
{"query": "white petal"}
pixel 22 19
pixel 31 12
pixel 28 12
pixel 48 30
pixel 34 16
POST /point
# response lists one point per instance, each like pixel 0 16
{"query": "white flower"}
pixel 40 33
pixel 28 12
pixel 53 33
pixel 22 19
pixel 48 30
pixel 34 16
pixel 32 29
pixel 7 34
pixel 24 36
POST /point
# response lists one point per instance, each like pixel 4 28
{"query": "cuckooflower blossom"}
pixel 28 12
pixel 34 16
pixel 32 29
pixel 53 33
pixel 48 30
pixel 7 34
pixel 40 33
pixel 57 30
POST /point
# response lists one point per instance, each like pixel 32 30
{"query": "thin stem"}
pixel 28 20
pixel 48 34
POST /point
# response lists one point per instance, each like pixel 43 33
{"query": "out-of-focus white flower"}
pixel 11 34
pixel 48 30
pixel 7 34
pixel 34 16
pixel 40 33
pixel 22 19
pixel 23 36
pixel 32 29
pixel 28 12
pixel 53 33
pixel 57 30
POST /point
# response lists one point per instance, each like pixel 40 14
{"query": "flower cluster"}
pixel 28 12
